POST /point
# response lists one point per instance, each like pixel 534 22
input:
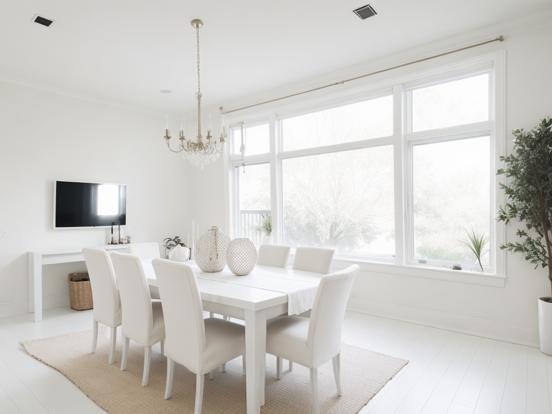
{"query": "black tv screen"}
pixel 89 204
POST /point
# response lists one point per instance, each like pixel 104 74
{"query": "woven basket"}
pixel 80 292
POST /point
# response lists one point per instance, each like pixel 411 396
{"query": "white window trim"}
pixel 494 63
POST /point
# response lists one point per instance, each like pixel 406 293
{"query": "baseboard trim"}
pixel 514 337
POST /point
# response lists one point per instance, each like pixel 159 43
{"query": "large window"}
pixel 404 177
pixel 342 200
pixel 451 189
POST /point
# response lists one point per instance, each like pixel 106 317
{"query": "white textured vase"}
pixel 179 253
pixel 210 251
pixel 545 325
pixel 241 256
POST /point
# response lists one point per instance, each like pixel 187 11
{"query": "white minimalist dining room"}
pixel 258 207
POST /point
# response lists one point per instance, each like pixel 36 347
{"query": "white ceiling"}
pixel 127 50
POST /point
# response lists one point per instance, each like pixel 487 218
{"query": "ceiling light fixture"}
pixel 200 151
pixel 365 11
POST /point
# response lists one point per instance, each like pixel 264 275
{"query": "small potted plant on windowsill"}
pixel 477 244
pixel 266 227
pixel 529 201
pixel 175 249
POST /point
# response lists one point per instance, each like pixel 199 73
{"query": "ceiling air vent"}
pixel 42 20
pixel 365 11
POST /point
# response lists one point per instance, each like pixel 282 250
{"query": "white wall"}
pixel 46 137
pixel 508 312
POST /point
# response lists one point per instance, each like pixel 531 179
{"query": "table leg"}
pixel 255 351
pixel 35 285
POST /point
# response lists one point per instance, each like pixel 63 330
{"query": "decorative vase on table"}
pixel 210 251
pixel 241 256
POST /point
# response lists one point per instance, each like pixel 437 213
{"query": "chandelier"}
pixel 202 150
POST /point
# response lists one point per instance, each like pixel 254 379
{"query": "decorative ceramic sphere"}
pixel 210 252
pixel 241 256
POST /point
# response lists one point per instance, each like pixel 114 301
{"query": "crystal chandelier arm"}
pixel 168 142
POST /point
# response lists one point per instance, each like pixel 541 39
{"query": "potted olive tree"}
pixel 528 192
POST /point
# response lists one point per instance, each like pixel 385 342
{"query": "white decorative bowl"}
pixel 241 256
pixel 210 251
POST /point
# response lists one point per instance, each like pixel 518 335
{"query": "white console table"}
pixel 44 258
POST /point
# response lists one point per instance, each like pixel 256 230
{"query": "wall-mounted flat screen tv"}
pixel 89 204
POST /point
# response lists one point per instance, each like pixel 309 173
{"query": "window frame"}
pixel 403 141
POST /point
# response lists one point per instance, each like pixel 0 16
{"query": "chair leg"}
pixel 314 389
pixel 124 358
pixel 290 366
pixel 162 346
pixel 113 345
pixel 147 363
pixel 200 380
pixel 94 335
pixel 336 361
pixel 170 376
pixel 244 368
pixel 278 367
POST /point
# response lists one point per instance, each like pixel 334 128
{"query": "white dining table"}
pixel 254 298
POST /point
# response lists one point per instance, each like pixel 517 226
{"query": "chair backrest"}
pixel 182 311
pixel 272 255
pixel 107 305
pixel 313 259
pixel 135 296
pixel 145 251
pixel 328 313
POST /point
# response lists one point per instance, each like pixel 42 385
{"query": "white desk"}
pixel 254 306
pixel 43 258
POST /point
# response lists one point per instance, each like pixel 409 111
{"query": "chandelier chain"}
pixel 198 62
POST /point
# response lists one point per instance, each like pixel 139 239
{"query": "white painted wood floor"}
pixel 449 373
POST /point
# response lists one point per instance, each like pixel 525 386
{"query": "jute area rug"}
pixel 364 373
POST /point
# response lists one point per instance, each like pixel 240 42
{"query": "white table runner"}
pixel 300 287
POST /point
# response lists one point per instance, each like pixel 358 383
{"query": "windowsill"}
pixel 425 272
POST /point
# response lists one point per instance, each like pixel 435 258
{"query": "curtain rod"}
pixel 342 82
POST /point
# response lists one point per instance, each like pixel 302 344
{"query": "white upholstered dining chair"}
pixel 198 344
pixel 313 259
pixel 142 319
pixel 147 251
pixel 314 341
pixel 105 295
pixel 273 255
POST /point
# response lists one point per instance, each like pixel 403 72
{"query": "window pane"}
pixel 342 200
pixel 254 220
pixel 451 198
pixel 358 121
pixel 256 140
pixel 449 104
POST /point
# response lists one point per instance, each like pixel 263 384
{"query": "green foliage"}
pixel 528 190
pixel 171 242
pixel 477 243
pixel 266 224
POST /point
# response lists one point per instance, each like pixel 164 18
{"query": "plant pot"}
pixel 179 254
pixel 545 325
